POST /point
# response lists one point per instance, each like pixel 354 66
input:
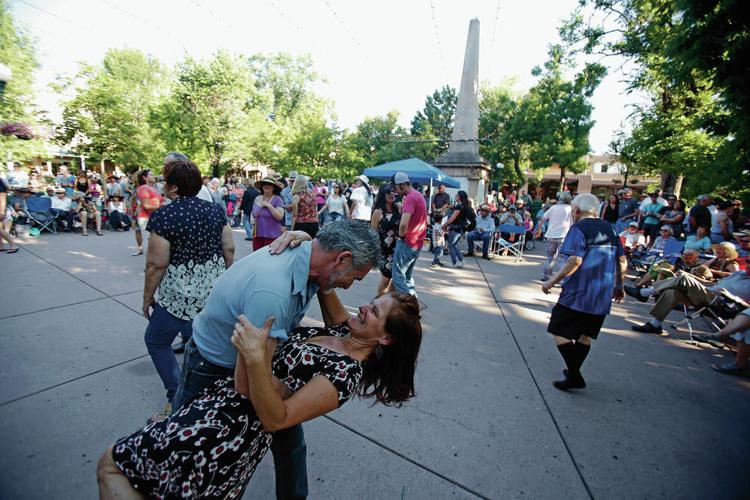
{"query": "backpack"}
pixel 471 219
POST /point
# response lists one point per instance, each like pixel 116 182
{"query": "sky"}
pixel 375 57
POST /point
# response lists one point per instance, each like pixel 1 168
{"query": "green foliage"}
pixel 106 113
pixel 379 139
pixel 435 123
pixel 16 103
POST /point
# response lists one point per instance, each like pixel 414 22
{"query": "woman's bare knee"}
pixel 106 465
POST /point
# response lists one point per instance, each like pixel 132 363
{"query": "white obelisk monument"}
pixel 462 159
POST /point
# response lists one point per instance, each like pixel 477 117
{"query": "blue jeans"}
pixel 485 236
pixel 437 252
pixel 404 258
pixel 288 445
pixel 161 331
pixel 453 239
pixel 333 217
pixel 248 226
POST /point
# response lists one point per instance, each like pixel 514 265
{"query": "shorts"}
pixel 571 324
pixel 142 222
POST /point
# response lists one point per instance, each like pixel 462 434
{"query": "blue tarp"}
pixel 416 169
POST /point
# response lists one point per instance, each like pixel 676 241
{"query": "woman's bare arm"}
pixel 332 309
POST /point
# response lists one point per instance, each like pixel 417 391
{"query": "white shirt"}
pixel 361 211
pixel 205 194
pixel 61 203
pixel 633 239
pixel 560 220
pixel 119 207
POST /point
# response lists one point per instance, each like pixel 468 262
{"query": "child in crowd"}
pixel 438 240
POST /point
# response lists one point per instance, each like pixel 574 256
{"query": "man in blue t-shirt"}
pixel 592 275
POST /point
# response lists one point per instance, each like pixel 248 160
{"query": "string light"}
pixel 494 30
pixel 437 40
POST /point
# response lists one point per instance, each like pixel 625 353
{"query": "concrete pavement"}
pixel 655 421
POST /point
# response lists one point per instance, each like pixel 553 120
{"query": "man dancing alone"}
pixel 591 277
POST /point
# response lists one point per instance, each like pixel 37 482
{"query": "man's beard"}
pixel 334 277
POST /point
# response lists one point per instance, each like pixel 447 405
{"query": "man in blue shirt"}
pixel 262 285
pixel 593 274
pixel 650 211
pixel 627 211
pixel 484 231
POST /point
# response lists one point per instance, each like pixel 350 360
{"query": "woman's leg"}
pixel 98 219
pixel 84 222
pixel 112 482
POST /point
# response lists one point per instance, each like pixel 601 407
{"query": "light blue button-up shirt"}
pixel 258 286
pixel 486 224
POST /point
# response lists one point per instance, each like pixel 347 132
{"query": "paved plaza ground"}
pixel 654 422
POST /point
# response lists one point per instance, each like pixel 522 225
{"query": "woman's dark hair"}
pixel 380 200
pixel 184 175
pixel 388 374
pixel 617 200
pixel 681 204
pixel 141 176
pixel 463 198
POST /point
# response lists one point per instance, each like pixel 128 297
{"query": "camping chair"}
pixel 38 210
pixel 672 251
pixel 715 315
pixel 514 247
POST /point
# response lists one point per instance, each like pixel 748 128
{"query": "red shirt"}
pixel 416 230
pixel 144 193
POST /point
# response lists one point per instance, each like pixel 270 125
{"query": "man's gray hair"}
pixel 174 155
pixel 586 202
pixel 691 250
pixel 564 197
pixel 353 236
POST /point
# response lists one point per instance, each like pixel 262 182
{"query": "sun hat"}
pixel 742 234
pixel 366 181
pixel 729 249
pixel 59 190
pixel 268 180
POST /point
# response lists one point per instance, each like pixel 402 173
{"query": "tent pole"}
pixel 431 195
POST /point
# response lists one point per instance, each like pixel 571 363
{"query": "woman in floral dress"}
pixel 386 216
pixel 211 447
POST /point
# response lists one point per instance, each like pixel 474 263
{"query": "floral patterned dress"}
pixel 388 232
pixel 211 447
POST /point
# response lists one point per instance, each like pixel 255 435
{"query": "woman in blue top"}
pixel 699 241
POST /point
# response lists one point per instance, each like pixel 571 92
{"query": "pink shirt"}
pixel 416 231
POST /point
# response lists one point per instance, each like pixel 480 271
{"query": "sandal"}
pixel 84 234
pixel 135 254
pixel 730 369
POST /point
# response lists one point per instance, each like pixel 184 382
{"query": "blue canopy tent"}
pixel 416 169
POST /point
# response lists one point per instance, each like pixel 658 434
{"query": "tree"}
pixel 16 102
pixel 435 122
pixel 379 139
pixel 503 130
pixel 213 110
pixel 557 115
pixel 106 113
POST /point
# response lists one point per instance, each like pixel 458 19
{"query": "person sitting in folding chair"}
pixel 686 289
pixel 484 231
pixel 739 329
pixel 689 262
pixel 509 218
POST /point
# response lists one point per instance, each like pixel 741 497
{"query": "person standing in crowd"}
pixel 628 210
pixel 214 187
pixel 361 199
pixel 118 216
pixel 82 183
pixel 286 197
pixel 268 213
pixel 149 200
pixel 441 201
pixel 246 210
pixel 674 215
pixel 190 246
pixel 282 286
pixel 12 247
pixel 66 180
pixel 321 194
pixel 722 227
pixel 484 231
pixel 456 225
pixel 304 207
pixel 610 212
pixel 205 192
pixel 412 230
pixel 700 215
pixel 386 217
pixel 593 274
pixel 336 207
pixel 559 220
pixel 650 210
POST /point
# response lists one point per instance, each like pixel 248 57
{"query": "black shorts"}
pixel 571 324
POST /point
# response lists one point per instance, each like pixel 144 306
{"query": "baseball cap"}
pixel 400 178
pixel 633 224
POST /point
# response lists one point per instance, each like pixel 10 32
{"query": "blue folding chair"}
pixel 38 210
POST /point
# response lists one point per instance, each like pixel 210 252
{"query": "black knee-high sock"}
pixel 568 353
pixel 581 351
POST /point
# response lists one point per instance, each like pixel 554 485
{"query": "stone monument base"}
pixel 474 177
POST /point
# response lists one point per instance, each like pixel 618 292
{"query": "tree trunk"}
pixel 562 178
pixel 678 185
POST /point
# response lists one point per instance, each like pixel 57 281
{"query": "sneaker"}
pixel 647 328
pixel 440 264
pixel 460 263
pixel 434 265
pixel 730 369
pixel 635 293
pixel 565 385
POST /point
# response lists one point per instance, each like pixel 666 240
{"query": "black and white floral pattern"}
pixel 193 228
pixel 211 447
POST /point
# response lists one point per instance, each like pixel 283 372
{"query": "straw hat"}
pixel 364 179
pixel 268 180
pixel 729 250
